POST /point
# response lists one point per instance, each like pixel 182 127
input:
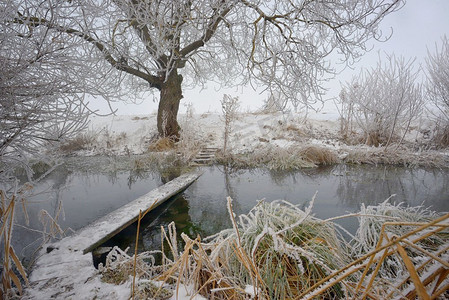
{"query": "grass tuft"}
pixel 319 155
pixel 162 144
pixel 84 141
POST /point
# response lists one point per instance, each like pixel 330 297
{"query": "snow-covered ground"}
pixel 68 274
pixel 122 135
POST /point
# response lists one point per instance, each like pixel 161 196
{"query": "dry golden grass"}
pixel 319 155
pixel 162 144
pixel 81 142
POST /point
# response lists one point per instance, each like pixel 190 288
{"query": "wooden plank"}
pixel 93 235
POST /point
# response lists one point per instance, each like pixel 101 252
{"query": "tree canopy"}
pixel 164 45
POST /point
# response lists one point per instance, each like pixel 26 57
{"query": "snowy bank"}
pixel 253 135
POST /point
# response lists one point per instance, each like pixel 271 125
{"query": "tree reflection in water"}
pixel 88 192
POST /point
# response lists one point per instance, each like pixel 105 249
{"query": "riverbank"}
pixel 274 140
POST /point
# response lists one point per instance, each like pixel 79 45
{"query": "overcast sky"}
pixel 418 26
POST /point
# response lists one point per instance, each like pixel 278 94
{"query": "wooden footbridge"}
pixel 64 263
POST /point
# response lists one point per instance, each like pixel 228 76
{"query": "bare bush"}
pixel 190 141
pixel 382 101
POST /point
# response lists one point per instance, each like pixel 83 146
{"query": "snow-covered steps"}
pixel 205 156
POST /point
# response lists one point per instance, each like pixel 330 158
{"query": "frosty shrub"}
pixel 189 142
pixel 382 101
pixel 438 90
pixel 229 107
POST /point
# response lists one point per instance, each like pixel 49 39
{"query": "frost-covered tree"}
pixel 165 45
pixel 438 77
pixel 41 101
pixel 383 101
pixel 41 92
pixel 438 89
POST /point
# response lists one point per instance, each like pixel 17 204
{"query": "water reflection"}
pixel 371 185
pixel 89 189
pixel 341 189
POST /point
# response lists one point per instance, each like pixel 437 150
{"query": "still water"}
pixel 341 189
pixel 87 190
pixel 76 194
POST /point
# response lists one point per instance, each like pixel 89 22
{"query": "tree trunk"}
pixel 171 95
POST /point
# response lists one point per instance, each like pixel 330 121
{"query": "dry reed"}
pixel 11 262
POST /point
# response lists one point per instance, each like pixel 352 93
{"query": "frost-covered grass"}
pixel 397 156
pixel 279 248
pixel 276 158
pixel 278 251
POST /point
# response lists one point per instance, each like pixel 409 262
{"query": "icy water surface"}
pixel 89 188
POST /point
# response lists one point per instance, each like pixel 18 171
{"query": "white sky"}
pixel 418 26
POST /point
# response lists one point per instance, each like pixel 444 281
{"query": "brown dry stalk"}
pixel 141 216
pixel 419 268
pixel 325 283
pixel 419 287
pixel 10 257
pixel 135 255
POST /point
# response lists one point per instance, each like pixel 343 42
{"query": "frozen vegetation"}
pixel 53 54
